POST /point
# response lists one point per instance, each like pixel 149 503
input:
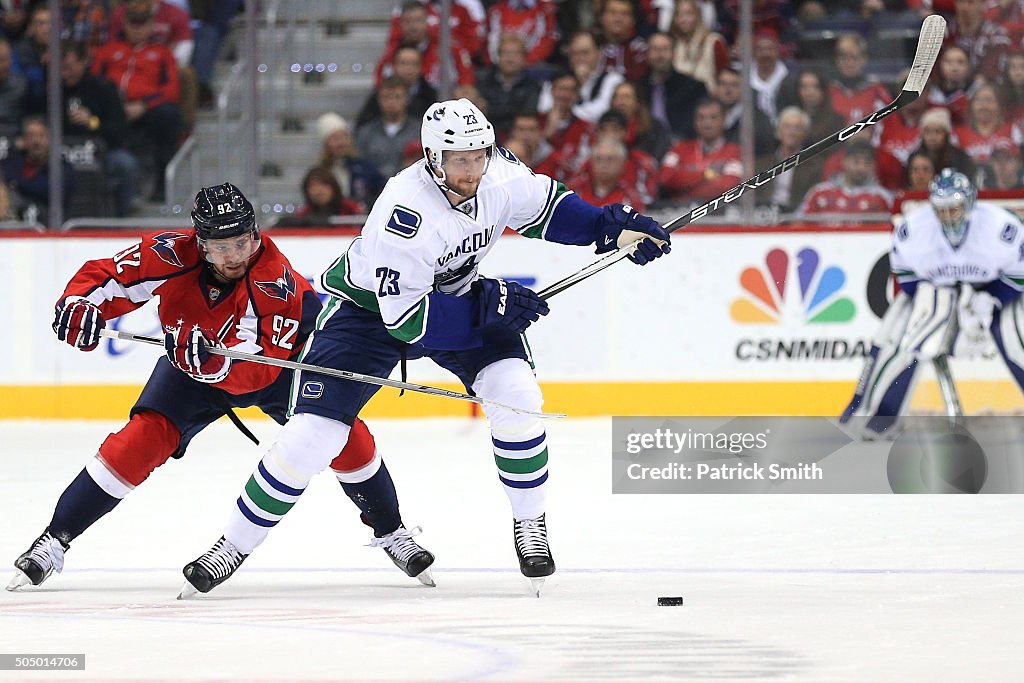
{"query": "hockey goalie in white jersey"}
pixel 960 267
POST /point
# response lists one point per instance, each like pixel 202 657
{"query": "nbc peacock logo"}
pixel 764 290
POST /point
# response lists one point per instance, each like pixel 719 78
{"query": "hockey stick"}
pixel 331 372
pixel 928 44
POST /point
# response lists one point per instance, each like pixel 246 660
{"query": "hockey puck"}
pixel 669 602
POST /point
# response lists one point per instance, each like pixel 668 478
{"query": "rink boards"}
pixel 732 322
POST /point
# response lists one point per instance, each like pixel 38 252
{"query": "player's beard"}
pixel 465 188
pixel 230 272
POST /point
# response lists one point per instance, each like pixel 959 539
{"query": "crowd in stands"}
pixel 133 74
pixel 622 100
pixel 641 101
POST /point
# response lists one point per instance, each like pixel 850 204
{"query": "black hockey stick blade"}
pixel 929 42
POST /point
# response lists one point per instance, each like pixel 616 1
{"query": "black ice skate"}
pixel 211 569
pixel 407 554
pixel 535 561
pixel 44 556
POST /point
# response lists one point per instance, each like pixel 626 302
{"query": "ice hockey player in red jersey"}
pixel 220 284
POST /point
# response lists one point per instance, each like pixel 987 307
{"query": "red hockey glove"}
pixel 188 350
pixel 78 322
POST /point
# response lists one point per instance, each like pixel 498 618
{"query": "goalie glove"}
pixel 974 313
pixel 188 350
pixel 507 303
pixel 619 226
pixel 78 322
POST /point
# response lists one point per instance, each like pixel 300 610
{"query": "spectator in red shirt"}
pixel 955 84
pixel 146 74
pixel 986 43
pixel 324 199
pixel 854 190
pixel 641 171
pixel 985 125
pixel 533 20
pixel 1011 90
pixel 701 169
pixel 622 50
pixel 172 28
pixel 854 96
pixel 412 28
pixel 563 130
pixel 601 180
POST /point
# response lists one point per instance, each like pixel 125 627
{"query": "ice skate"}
pixel 211 569
pixel 44 556
pixel 535 561
pixel 407 554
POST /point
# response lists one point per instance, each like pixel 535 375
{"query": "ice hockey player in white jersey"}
pixel 409 287
pixel 960 267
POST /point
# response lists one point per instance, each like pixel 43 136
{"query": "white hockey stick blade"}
pixel 933 32
pixel 332 372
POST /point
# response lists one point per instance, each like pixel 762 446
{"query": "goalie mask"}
pixel 454 126
pixel 226 229
pixel 952 197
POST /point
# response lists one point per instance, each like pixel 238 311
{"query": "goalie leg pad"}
pixel 931 329
pixel 131 455
pixel 885 342
pixel 1008 333
pixel 519 441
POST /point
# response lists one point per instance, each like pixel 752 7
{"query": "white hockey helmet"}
pixel 952 197
pixel 450 126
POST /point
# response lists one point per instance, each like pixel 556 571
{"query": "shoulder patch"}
pixel 281 288
pixel 404 222
pixel 1009 232
pixel 902 232
pixel 163 246
pixel 509 156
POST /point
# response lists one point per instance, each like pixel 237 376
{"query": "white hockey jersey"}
pixel 992 249
pixel 414 242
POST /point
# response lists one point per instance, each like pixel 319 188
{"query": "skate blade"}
pixel 19 580
pixel 426 578
pixel 188 591
pixel 535 586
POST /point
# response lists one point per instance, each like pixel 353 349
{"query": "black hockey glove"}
pixel 507 303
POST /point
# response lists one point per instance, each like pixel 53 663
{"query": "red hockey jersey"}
pixel 269 312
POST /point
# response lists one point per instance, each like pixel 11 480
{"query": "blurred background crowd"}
pixel 654 103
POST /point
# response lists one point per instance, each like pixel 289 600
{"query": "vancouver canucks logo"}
pixel 403 222
pixel 163 245
pixel 281 288
pixel 765 290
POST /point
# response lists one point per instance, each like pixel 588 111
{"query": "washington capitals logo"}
pixel 164 247
pixel 281 288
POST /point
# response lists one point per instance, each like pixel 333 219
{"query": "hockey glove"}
pixel 619 226
pixel 78 322
pixel 507 303
pixel 188 350
pixel 975 316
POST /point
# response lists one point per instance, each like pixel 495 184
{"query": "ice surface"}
pixel 778 588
